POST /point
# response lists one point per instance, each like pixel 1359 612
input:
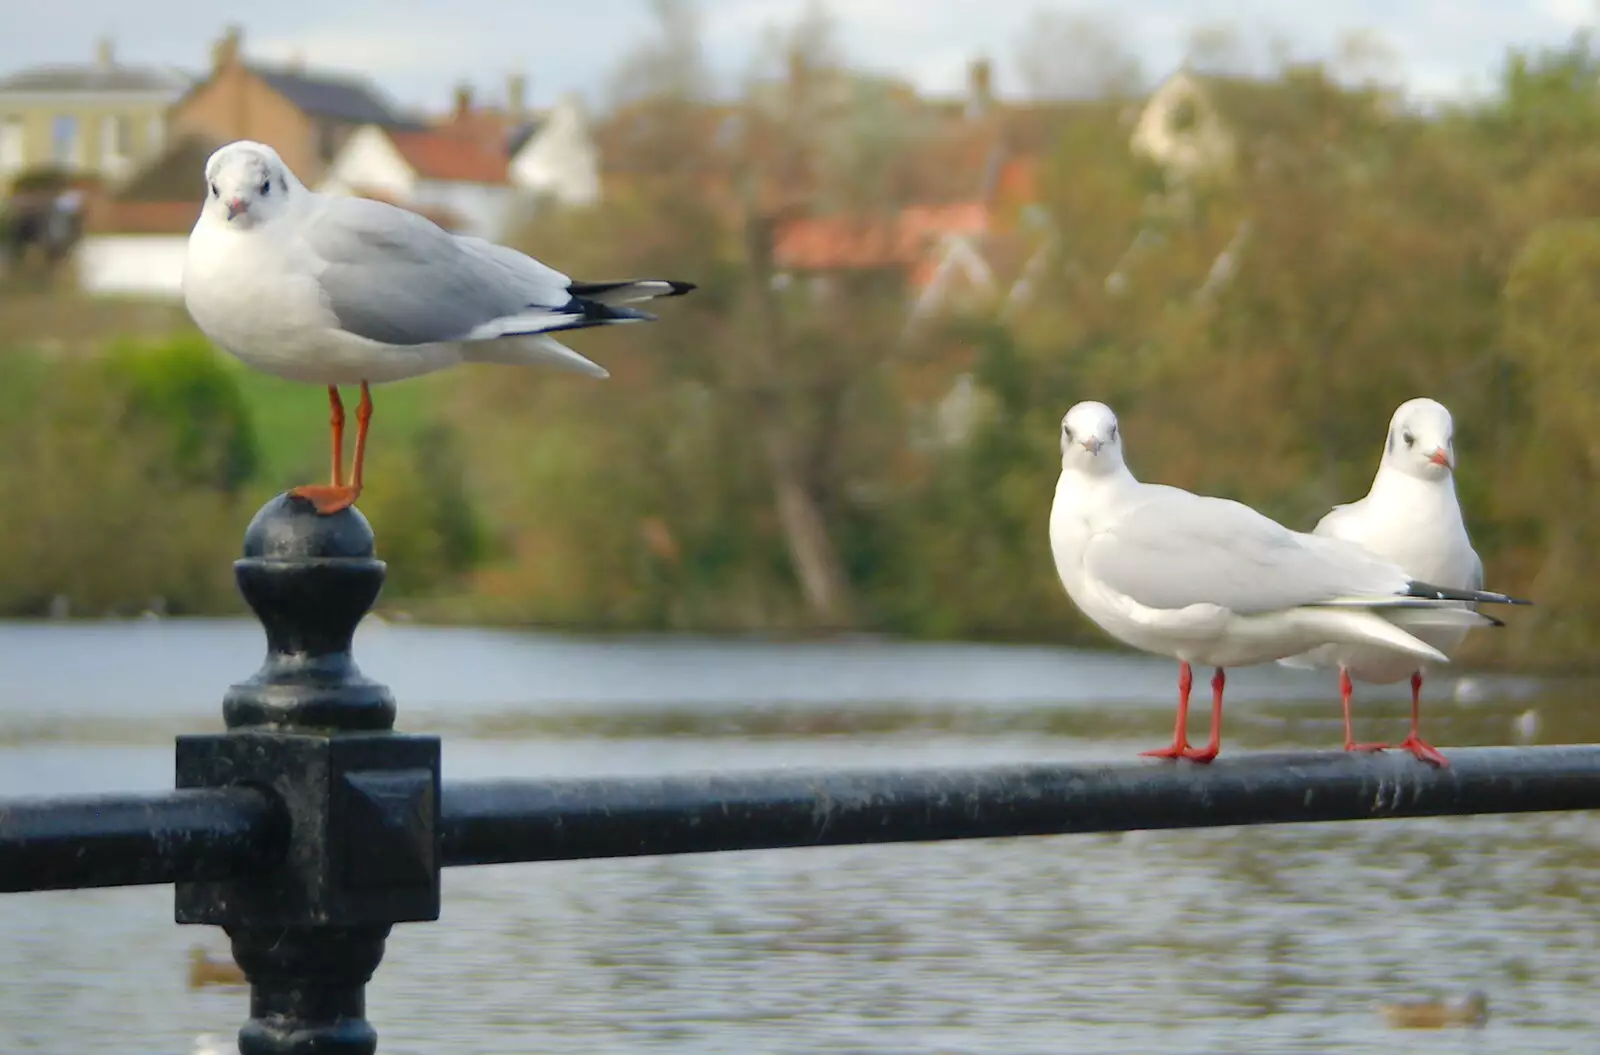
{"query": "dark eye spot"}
pixel 1113 432
pixel 214 192
pixel 1066 430
pixel 1408 438
pixel 266 186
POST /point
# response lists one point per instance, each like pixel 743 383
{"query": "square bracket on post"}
pixel 363 828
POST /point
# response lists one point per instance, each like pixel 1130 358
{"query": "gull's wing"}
pixel 396 277
pixel 1172 549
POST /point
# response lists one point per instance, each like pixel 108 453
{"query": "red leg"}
pixel 331 498
pixel 1345 690
pixel 1414 743
pixel 1214 744
pixel 1180 735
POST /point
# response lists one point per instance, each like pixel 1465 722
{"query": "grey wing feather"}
pixel 1176 549
pixel 397 278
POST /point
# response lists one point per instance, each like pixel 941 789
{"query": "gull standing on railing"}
pixel 344 291
pixel 1207 580
pixel 1410 516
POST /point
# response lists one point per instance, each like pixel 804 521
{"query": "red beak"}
pixel 1092 445
pixel 1438 457
pixel 235 207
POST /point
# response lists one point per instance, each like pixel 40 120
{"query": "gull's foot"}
pixel 1202 755
pixel 327 499
pixel 1426 752
pixel 1350 745
pixel 1174 751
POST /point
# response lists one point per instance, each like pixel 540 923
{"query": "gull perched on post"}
pixel 345 291
pixel 1211 581
pixel 1410 516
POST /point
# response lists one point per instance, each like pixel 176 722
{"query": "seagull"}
pixel 1211 581
pixel 1410 516
pixel 342 291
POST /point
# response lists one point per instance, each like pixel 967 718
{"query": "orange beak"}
pixel 1439 457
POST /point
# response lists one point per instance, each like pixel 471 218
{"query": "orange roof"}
pixel 444 156
pixel 827 243
pixel 445 218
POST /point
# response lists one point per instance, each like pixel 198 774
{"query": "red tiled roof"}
pixel 828 243
pixel 445 156
pixel 446 218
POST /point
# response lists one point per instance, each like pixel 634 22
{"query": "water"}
pixel 1273 939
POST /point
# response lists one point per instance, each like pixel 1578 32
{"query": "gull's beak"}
pixel 1092 445
pixel 235 207
pixel 1439 457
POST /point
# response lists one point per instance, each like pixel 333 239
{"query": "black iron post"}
pixel 361 801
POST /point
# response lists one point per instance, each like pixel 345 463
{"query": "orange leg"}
pixel 328 499
pixel 1214 744
pixel 1180 735
pixel 1345 689
pixel 1414 743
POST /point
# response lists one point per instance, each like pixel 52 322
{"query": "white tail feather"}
pixel 1355 626
pixel 534 350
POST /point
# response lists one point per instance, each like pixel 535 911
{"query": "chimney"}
pixel 516 96
pixel 225 52
pixel 105 54
pixel 980 86
pixel 463 101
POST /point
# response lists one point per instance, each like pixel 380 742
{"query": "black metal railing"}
pixel 310 827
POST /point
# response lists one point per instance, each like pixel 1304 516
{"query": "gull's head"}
pixel 1090 441
pixel 1421 440
pixel 247 185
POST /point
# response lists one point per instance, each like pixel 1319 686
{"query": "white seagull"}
pixel 1211 581
pixel 342 291
pixel 1411 517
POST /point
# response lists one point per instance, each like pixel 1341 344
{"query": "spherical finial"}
pixel 310 579
pixel 290 529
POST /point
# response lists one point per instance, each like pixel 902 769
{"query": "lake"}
pixel 1277 939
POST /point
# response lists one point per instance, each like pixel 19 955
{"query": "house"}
pixel 1181 129
pixel 99 119
pixel 135 238
pixel 306 117
pixel 485 165
pixel 558 160
pixel 427 169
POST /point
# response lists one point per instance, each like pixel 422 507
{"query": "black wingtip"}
pixel 680 288
pixel 1446 593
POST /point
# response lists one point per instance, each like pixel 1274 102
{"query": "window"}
pixel 13 152
pixel 116 140
pixel 66 148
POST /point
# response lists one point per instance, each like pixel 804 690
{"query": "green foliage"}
pixel 181 386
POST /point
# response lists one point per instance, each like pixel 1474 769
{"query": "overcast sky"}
pixel 418 51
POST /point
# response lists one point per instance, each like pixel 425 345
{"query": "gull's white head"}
pixel 247 185
pixel 1090 441
pixel 1421 440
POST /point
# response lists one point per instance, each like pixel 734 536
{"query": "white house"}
pixel 559 161
pixel 428 171
pixel 1180 129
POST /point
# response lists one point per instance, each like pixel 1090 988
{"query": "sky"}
pixel 419 50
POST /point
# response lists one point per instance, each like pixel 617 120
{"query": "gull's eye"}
pixel 1113 432
pixel 1408 438
pixel 1066 431
pixel 214 192
pixel 266 186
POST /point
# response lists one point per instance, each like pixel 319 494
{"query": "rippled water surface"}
pixel 1277 939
